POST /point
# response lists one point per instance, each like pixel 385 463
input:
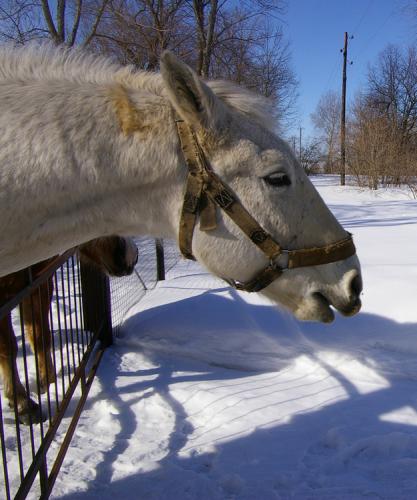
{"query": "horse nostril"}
pixel 356 285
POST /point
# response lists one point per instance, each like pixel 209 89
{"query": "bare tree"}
pixel 220 39
pixel 326 119
pixel 311 156
pixel 138 31
pixel 383 138
pixel 205 12
pixel 257 56
pixel 250 50
pixel 392 88
pixel 64 21
pixel 20 21
pixel 220 24
pixel 376 152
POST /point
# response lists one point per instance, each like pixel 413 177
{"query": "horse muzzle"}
pixel 346 299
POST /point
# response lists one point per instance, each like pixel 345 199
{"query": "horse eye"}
pixel 277 179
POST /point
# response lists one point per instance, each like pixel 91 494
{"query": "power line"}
pixel 365 12
pixel 332 73
pixel 337 62
pixel 376 32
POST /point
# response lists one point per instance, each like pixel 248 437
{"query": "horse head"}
pixel 232 135
pixel 114 255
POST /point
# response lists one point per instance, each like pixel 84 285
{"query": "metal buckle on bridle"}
pixel 276 264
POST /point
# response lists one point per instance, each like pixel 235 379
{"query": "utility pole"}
pixel 299 152
pixel 343 115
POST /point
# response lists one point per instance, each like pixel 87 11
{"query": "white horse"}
pixel 90 148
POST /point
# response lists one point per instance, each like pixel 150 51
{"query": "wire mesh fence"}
pixel 41 383
pixel 49 355
pixel 129 290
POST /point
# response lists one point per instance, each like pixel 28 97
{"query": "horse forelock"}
pixel 45 62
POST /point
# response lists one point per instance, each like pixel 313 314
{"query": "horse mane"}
pixel 45 61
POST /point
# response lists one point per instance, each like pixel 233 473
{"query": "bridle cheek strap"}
pixel 205 191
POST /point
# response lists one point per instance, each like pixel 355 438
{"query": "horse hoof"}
pixel 31 414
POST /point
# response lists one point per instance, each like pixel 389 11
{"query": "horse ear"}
pixel 190 96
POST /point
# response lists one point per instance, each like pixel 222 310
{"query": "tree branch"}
pixel 75 26
pixel 60 18
pixel 49 21
pixel 93 30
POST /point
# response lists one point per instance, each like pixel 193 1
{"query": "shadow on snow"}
pixel 339 449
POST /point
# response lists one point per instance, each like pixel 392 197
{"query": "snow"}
pixel 211 394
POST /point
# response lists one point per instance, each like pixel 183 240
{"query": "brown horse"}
pixel 112 255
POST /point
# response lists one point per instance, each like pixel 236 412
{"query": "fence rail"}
pixel 82 310
pixel 54 301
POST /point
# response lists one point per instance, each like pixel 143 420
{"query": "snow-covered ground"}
pixel 214 394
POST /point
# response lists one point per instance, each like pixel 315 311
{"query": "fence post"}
pixel 96 303
pixel 160 260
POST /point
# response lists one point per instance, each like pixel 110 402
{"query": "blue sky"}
pixel 315 29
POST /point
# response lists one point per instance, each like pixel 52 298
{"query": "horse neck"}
pixel 149 177
pixel 139 172
pixel 96 180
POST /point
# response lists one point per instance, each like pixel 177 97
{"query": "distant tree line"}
pixel 382 123
pixel 240 41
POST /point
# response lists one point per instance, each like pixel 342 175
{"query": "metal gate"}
pixel 82 312
pixel 78 316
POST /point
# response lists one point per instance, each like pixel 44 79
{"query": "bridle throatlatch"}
pixel 205 191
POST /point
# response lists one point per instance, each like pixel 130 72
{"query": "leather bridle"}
pixel 205 191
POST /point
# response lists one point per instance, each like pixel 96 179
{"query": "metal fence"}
pixel 80 307
pixel 129 290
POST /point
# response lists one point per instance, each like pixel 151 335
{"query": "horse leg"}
pixel 36 320
pixel 27 409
